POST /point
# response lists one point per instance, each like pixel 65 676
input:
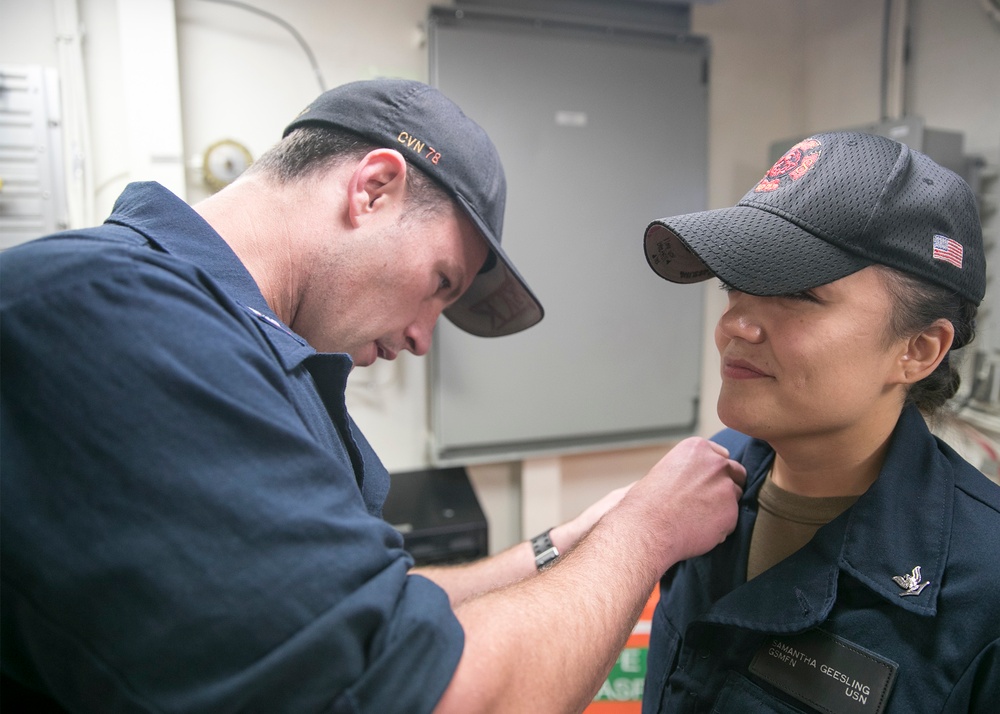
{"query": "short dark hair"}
pixel 311 149
pixel 917 304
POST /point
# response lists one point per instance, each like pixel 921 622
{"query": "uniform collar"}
pixel 175 228
pixel 904 520
pixel 900 523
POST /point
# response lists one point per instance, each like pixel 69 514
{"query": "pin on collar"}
pixel 911 582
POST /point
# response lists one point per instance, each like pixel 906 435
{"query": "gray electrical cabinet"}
pixel 601 129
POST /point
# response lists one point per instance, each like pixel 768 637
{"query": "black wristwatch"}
pixel 545 551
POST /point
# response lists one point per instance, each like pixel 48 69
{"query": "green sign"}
pixel 624 683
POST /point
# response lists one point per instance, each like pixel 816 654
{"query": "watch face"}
pixel 546 557
pixel 545 551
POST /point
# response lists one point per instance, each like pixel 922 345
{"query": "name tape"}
pixel 826 672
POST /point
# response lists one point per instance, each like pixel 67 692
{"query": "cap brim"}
pixel 752 250
pixel 499 301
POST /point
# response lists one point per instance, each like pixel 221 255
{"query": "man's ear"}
pixel 379 179
pixel 925 350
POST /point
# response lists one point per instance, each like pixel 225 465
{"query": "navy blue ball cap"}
pixel 833 204
pixel 435 135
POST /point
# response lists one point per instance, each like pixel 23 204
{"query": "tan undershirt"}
pixel 786 522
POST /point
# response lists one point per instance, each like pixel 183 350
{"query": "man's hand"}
pixel 689 499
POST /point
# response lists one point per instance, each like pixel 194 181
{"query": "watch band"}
pixel 545 551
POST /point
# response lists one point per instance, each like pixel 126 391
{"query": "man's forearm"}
pixel 467 580
pixel 546 643
pixel 517 562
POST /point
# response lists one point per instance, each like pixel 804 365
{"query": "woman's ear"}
pixel 378 182
pixel 925 350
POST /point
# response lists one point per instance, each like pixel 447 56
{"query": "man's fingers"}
pixel 738 473
pixel 719 448
pixel 736 470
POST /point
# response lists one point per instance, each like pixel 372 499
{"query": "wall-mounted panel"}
pixel 600 130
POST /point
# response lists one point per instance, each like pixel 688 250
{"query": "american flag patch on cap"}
pixel 948 250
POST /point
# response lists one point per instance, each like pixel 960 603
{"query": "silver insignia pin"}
pixel 911 582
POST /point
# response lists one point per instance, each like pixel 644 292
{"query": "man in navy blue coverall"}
pixel 191 519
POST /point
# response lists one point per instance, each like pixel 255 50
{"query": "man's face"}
pixel 403 274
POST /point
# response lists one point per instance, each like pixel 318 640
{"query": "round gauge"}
pixel 223 162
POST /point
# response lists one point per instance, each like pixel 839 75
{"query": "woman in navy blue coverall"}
pixel 862 575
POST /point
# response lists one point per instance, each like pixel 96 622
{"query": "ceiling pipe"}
pixel 895 53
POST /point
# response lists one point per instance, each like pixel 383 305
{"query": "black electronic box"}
pixel 438 514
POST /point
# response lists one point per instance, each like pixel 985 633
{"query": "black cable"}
pixel 295 33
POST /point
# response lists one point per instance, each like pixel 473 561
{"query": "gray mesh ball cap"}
pixel 833 204
pixel 435 135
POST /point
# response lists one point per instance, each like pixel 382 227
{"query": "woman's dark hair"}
pixel 917 304
pixel 309 150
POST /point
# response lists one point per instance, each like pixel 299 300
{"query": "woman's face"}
pixel 817 363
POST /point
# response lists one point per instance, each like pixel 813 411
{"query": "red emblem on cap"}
pixel 794 165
